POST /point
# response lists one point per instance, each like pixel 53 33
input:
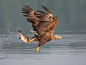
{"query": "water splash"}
pixel 8 35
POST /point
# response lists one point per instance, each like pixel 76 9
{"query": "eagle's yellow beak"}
pixel 60 37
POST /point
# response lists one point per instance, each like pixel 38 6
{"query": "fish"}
pixel 24 38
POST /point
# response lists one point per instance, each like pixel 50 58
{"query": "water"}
pixel 71 50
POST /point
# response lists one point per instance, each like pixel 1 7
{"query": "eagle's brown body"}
pixel 44 24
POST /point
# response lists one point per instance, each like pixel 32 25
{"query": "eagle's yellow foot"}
pixel 29 41
pixel 37 49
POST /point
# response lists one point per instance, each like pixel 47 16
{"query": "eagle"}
pixel 43 24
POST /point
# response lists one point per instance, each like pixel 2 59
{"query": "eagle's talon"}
pixel 37 49
pixel 29 41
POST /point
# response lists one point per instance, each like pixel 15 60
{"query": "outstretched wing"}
pixel 32 16
pixel 40 22
pixel 47 16
pixel 49 20
pixel 28 11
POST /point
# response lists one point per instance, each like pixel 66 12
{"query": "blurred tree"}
pixel 71 13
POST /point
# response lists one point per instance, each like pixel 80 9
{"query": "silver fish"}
pixel 24 38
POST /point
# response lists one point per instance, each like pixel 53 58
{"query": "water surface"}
pixel 71 50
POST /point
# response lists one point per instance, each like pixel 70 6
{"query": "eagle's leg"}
pixel 34 33
pixel 42 41
pixel 37 49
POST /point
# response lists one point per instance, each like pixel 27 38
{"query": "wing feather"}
pixel 52 25
pixel 47 16
pixel 46 9
pixel 42 12
pixel 29 11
